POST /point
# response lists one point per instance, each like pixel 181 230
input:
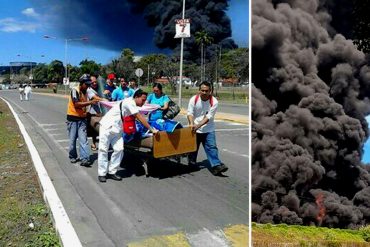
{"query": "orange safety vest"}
pixel 72 110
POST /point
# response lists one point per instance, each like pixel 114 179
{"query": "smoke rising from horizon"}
pixel 144 26
pixel 308 109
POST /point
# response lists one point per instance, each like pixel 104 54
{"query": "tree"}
pixel 20 79
pixel 6 79
pixel 89 67
pixel 191 71
pixel 152 64
pixel 74 72
pixel 125 66
pixel 234 64
pixel 40 73
pixel 56 71
pixel 203 39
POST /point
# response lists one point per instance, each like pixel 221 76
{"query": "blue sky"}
pixel 366 156
pixel 22 29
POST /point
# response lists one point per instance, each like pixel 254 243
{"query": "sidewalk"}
pixel 237 118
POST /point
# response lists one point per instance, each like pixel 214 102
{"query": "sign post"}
pixel 65 83
pixel 139 73
pixel 182 31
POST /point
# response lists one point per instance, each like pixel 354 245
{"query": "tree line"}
pixel 221 64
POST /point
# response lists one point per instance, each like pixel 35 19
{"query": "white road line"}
pixel 44 125
pixel 58 134
pixel 235 153
pixel 63 140
pixel 237 124
pixel 51 129
pixel 226 130
pixel 63 225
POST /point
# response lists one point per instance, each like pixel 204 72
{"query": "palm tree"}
pixel 202 38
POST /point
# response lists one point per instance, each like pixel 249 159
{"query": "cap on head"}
pixel 85 78
pixel 111 76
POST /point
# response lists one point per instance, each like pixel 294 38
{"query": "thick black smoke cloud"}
pixel 143 25
pixel 308 109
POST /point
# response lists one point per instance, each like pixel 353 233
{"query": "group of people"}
pixel 25 92
pixel 83 104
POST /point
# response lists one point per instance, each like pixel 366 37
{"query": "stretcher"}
pixel 164 145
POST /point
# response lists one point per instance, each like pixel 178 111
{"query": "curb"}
pixel 63 225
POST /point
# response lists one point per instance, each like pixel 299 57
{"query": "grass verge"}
pixel 308 236
pixel 24 217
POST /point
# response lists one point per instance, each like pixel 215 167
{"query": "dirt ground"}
pixel 24 217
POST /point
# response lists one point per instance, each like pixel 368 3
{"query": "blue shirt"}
pixel 153 99
pixel 120 94
pixel 110 89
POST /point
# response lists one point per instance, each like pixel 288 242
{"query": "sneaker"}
pixel 73 160
pixel 115 177
pixel 102 179
pixel 217 170
pixel 85 163
pixel 223 167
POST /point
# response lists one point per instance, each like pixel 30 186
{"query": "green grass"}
pixel 21 202
pixel 265 234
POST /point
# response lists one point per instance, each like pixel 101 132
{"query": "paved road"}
pixel 175 201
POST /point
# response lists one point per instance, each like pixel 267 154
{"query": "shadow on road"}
pixel 162 169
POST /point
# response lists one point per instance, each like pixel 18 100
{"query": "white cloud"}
pixel 30 12
pixel 10 25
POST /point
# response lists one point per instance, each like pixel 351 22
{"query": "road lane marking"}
pixel 58 134
pixel 235 153
pixel 51 129
pixel 236 124
pixel 54 124
pixel 226 130
pixel 63 140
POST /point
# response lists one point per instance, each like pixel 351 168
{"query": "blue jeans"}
pixel 77 130
pixel 208 141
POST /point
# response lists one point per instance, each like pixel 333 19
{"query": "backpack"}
pixel 172 111
pixel 128 123
pixel 197 98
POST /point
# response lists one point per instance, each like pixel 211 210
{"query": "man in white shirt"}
pixel 110 133
pixel 201 113
pixel 27 92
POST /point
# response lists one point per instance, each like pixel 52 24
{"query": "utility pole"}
pixel 181 55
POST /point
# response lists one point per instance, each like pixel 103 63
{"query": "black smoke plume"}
pixel 142 25
pixel 308 109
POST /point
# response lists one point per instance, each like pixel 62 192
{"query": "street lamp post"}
pixel 66 79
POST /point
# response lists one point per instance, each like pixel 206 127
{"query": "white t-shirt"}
pixel 203 109
pixel 93 109
pixel 113 117
pixel 27 89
